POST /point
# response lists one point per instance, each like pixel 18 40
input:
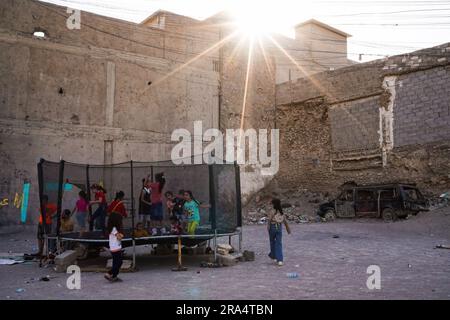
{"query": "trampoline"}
pixel 215 184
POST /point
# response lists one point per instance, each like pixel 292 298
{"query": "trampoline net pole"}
pixel 238 194
pixel 88 193
pixel 132 212
pixel 41 190
pixel 60 194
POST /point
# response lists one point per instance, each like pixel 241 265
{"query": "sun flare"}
pixel 258 18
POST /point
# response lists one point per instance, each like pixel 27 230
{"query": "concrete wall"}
pixel 381 121
pixel 104 93
pixel 315 49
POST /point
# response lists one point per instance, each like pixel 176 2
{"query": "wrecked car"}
pixel 387 201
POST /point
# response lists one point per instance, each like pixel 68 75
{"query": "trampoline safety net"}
pixel 217 185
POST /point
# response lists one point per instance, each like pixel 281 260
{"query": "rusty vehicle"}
pixel 386 201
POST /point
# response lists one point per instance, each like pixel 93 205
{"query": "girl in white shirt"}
pixel 115 245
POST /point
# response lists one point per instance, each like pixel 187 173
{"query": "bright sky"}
pixel 379 27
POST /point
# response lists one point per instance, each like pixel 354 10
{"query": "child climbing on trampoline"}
pixel 191 209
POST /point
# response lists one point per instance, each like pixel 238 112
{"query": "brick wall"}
pixel 422 107
pixel 355 124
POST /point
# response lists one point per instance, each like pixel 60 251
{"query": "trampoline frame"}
pixel 214 236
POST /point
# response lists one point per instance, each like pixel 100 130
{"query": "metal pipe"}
pixel 215 245
pixel 132 214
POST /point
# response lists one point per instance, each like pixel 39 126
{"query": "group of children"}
pixel 183 211
pixel 98 219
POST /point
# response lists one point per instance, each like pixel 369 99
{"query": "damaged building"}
pixel 381 121
pixel 113 91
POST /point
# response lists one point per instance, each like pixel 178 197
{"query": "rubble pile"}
pixel 299 206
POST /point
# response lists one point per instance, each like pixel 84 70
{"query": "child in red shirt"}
pixel 118 206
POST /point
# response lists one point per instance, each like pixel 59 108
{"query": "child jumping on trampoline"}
pixel 145 203
pixel 99 217
pixel 191 208
pixel 174 205
pixel 81 209
pixel 156 216
pixel 117 205
pixel 114 229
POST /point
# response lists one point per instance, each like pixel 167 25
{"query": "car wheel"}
pixel 330 215
pixel 389 215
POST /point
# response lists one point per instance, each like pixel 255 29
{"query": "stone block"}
pixel 227 260
pixel 66 258
pixel 249 255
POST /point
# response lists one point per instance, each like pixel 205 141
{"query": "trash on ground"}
pixel 20 290
pixel 8 258
pixel 292 275
pixel 336 236
pixel 443 246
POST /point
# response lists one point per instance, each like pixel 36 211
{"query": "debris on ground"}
pixel 443 246
pixel 65 259
pixel 292 275
pixel 224 249
pixel 248 255
pixel 299 205
pixel 9 258
pixel 210 265
pixel 19 290
pixel 336 236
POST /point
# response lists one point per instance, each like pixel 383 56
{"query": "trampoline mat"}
pixel 97 238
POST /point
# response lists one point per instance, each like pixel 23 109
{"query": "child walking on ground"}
pixel 115 245
pixel 81 209
pixel 275 221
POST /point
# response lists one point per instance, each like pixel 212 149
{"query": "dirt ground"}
pixel 331 261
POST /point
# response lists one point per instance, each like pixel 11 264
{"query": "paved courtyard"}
pixel 331 261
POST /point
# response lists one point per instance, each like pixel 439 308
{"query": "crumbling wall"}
pixel 388 120
pixel 251 105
